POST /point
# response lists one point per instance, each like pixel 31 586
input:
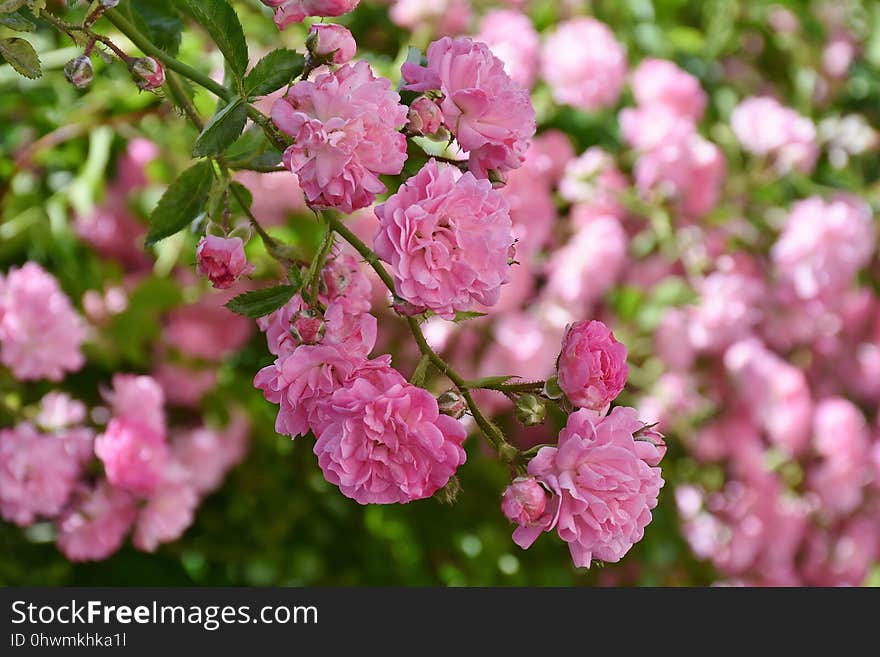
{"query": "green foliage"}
pixel 272 72
pixel 222 130
pixel 21 56
pixel 182 202
pixel 260 303
pixel 222 24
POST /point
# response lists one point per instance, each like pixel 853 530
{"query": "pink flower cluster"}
pixel 447 237
pixel 296 11
pixel 40 333
pixel 379 438
pixel 513 39
pixel 152 484
pixel 345 127
pixel 766 128
pixel 490 115
pixel 675 162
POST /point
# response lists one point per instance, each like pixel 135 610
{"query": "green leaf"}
pixel 465 315
pixel 17 22
pixel 221 22
pixel 252 150
pixel 36 6
pixel 182 202
pixel 244 193
pixel 260 303
pixel 157 19
pixel 21 56
pixel 222 130
pixel 272 72
pixel 9 6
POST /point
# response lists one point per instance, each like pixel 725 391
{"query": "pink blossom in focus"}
pixel 446 236
pixel 385 441
pixel 134 455
pixel 94 527
pixel 222 260
pixel 605 490
pixel 490 115
pixel 331 42
pixel 767 128
pixel 37 474
pixel 658 81
pixel 823 245
pixel 592 365
pixel 296 11
pixel 345 127
pixel 40 332
pixel 524 501
pixel 584 64
pixel 513 39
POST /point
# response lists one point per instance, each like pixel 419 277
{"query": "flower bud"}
pixel 452 403
pixel 524 501
pixel 552 389
pixel 108 4
pixel 222 260
pixel 530 410
pixel 650 445
pixel 79 71
pixel 308 326
pixel 425 117
pixel 148 73
pixel 330 43
pixel 405 308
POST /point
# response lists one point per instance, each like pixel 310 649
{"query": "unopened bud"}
pixel 452 403
pixel 552 389
pixel 650 445
pixel 79 71
pixel 450 492
pixel 148 73
pixel 524 501
pixel 405 308
pixel 425 117
pixel 530 410
pixel 329 43
pixel 108 4
pixel 308 326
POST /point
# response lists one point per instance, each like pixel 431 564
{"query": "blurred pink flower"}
pixel 765 127
pixel 296 11
pixel 663 82
pixel 593 179
pixel 95 525
pixel 166 514
pixel 134 454
pixel 138 398
pixel 513 39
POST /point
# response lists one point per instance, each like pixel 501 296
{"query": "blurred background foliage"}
pixel 276 521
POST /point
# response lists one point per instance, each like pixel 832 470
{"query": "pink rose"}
pixel 40 332
pixel 222 260
pixel 524 501
pixel 345 128
pixel 167 513
pixel 446 236
pixel 95 525
pixel 662 82
pixel 331 43
pixel 603 490
pixel 439 17
pixel 765 127
pixel 296 11
pixel 594 179
pixel 37 474
pixel 584 64
pixel 592 365
pixel 207 454
pixel 138 398
pixel 513 39
pixel 490 115
pixel 134 454
pixel 384 440
pixel 58 410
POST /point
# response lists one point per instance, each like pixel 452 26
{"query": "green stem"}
pixel 313 276
pixel 176 91
pixel 488 384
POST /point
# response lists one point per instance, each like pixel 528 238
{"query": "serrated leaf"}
pixel 21 56
pixel 182 202
pixel 159 20
pixel 17 22
pixel 9 6
pixel 272 72
pixel 260 303
pixel 221 22
pixel 465 315
pixel 222 130
pixel 252 150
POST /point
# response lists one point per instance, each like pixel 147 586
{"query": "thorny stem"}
pixel 507 452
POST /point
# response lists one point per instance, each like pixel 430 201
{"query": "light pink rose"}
pixel 447 237
pixel 222 260
pixel 592 365
pixel 138 398
pixel 605 490
pixel 532 212
pixel 729 307
pixel 594 179
pixel 331 42
pixel 842 556
pixel 651 126
pixel 95 525
pixel 38 473
pixel 513 39
pixel 765 127
pixel 548 156
pixel 524 501
pixel 384 440
pixel 206 454
pixel 296 11
pixel 58 410
pixel 345 127
pixel 672 342
pixel 490 115
pixel 437 17
pixel 584 64
pixel 134 454
pixel 167 513
pixel 40 332
pixel 206 329
pixel 824 245
pixel 183 385
pixel 663 82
